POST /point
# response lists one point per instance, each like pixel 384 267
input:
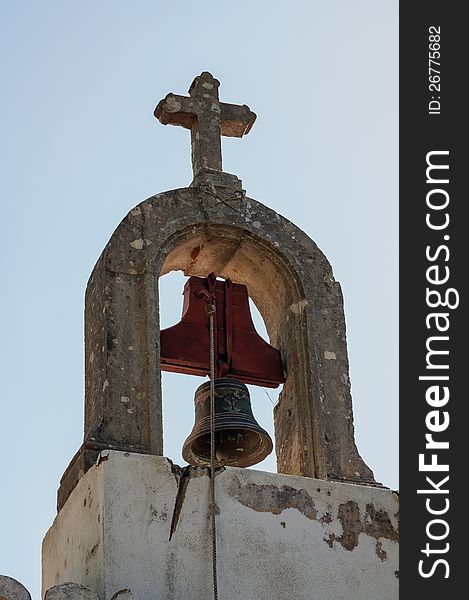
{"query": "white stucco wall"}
pixel 279 536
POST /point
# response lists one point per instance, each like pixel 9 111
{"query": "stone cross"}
pixel 207 118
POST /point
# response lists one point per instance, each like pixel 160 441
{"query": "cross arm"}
pixel 175 110
pixel 235 120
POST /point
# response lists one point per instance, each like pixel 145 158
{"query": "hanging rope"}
pixel 211 315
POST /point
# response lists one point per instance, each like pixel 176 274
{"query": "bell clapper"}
pixel 226 446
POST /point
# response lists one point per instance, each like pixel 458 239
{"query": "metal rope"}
pixel 211 314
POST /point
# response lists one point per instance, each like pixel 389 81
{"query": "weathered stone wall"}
pixel 134 522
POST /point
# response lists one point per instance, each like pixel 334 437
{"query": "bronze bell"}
pixel 239 440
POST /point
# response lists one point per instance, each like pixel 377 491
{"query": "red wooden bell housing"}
pixel 240 352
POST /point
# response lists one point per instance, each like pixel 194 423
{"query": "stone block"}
pixel 70 591
pixel 11 589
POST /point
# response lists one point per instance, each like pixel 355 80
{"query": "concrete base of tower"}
pixel 136 522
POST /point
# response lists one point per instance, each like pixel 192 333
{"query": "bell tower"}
pixel 131 523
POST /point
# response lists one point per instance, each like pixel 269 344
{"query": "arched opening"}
pixel 178 390
pixel 277 292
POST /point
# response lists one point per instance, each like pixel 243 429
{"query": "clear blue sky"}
pixel 80 147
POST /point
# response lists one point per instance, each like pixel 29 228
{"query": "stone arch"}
pixel 199 230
